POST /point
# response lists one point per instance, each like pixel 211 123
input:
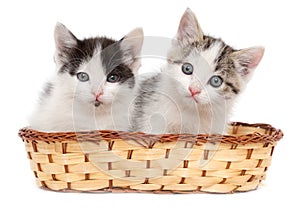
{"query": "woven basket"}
pixel 135 162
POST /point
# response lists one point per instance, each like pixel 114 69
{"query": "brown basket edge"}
pixel 274 136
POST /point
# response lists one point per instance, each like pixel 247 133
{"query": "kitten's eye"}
pixel 216 81
pixel 187 68
pixel 112 78
pixel 83 77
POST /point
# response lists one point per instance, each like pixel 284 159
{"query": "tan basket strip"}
pixel 167 187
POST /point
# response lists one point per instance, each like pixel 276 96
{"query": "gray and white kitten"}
pixel 93 86
pixel 196 90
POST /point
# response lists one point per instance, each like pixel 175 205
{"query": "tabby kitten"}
pixel 196 89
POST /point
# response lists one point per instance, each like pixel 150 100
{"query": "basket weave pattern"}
pixel 172 163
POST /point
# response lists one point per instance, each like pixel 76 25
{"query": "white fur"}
pixel 173 108
pixel 179 112
pixel 206 112
pixel 70 106
pixel 71 103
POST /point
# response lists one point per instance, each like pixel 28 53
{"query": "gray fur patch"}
pixel 48 88
pixel 145 96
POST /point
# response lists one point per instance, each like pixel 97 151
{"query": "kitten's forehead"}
pixel 88 51
pixel 212 53
pixel 107 58
pixel 212 49
pixel 215 53
pixel 202 67
pixel 111 55
pixel 94 66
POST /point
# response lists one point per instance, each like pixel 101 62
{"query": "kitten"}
pixel 195 91
pixel 94 83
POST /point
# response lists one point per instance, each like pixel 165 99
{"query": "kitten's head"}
pixel 205 67
pixel 93 70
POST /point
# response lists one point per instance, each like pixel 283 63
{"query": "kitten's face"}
pixel 97 85
pixel 207 70
pixel 95 69
pixel 202 78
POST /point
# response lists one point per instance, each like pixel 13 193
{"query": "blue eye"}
pixel 215 81
pixel 83 77
pixel 187 68
pixel 112 78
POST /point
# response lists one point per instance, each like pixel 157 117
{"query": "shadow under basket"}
pixel 112 161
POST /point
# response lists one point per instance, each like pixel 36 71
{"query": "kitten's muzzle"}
pixel 97 103
pixel 98 95
pixel 194 91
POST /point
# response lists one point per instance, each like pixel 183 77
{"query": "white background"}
pixel 27 47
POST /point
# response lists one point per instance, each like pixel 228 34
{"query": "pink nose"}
pixel 194 91
pixel 98 95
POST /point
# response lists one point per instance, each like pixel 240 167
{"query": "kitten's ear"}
pixel 189 30
pixel 246 60
pixel 64 39
pixel 131 46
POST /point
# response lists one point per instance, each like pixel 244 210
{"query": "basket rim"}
pixel 271 135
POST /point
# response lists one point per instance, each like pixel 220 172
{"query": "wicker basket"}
pixel 172 163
